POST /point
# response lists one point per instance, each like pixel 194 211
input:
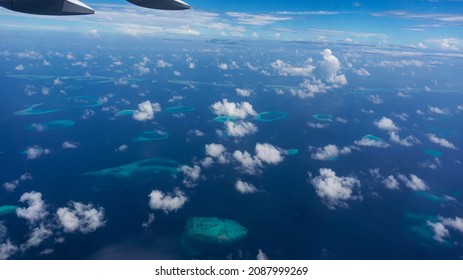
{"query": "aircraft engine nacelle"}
pixel 161 4
pixel 48 7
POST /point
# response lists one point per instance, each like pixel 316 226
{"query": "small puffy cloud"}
pixel 122 148
pixel 244 92
pixel 214 150
pixel 36 237
pixel 261 255
pixel 192 175
pixel 440 232
pixel 57 82
pixel 391 182
pixel 45 90
pixel 361 72
pixel 456 224
pixel 196 132
pixel 12 185
pixel 431 164
pixel 7 249
pixel 441 141
pixel 20 67
pixel 25 177
pixel 386 124
pixel 422 46
pixel 93 32
pixel 146 111
pixel 317 125
pixel 217 151
pixel 87 114
pixel 448 44
pixel 251 67
pixel 222 66
pixel 268 153
pixel 207 162
pixel 190 62
pixel 330 152
pixel 367 142
pixel 407 141
pixel 167 202
pixel 141 68
pixel 310 87
pixel 285 69
pixel 150 221
pixel 330 68
pixel 437 110
pixel 333 190
pixel 240 129
pixel 414 182
pixel 36 152
pixel 245 188
pixel 375 99
pixel 162 64
pixel 70 145
pixel 236 110
pixel 250 165
pixel 36 209
pixel 80 217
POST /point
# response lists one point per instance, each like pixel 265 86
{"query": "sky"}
pixel 422 24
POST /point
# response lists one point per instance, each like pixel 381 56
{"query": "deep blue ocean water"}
pixel 285 218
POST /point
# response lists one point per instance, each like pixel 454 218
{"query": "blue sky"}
pixel 424 24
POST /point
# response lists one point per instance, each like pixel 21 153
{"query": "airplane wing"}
pixel 75 7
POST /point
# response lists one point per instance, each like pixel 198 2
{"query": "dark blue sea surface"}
pixel 285 217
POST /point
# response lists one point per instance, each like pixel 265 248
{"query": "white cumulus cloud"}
pixel 36 237
pixel 36 209
pixel 386 124
pixel 440 232
pixel 391 182
pixel 192 175
pixel 366 142
pixel 249 164
pixel 80 217
pixel 244 92
pixel 456 223
pixel 286 69
pixel 231 109
pixel 167 202
pixel 330 152
pixel 222 66
pixel 261 255
pixel 240 129
pixel 437 110
pixel 333 190
pixel 36 152
pixel 12 185
pixel 441 141
pixel 414 182
pixel 407 141
pixel 245 188
pixel 217 151
pixel 163 64
pixel 330 68
pixel 70 145
pixel 268 153
pixel 146 111
pixel 7 249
